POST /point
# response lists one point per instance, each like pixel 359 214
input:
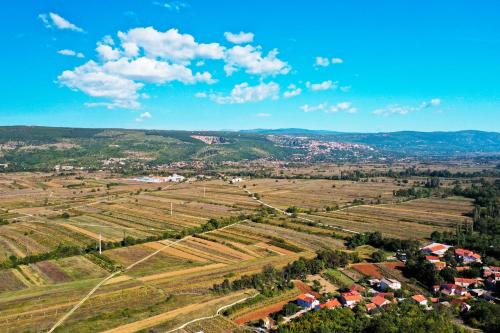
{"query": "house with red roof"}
pixel 465 282
pixel 330 304
pixel 432 259
pixel 307 301
pixel 419 299
pixel 453 289
pixel 467 256
pixel 380 301
pixel 436 249
pixel 350 298
pixel 370 307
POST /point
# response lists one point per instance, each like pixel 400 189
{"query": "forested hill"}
pixel 29 148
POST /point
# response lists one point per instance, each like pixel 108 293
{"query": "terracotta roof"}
pixel 351 296
pixel 379 300
pixel 419 298
pixel 370 306
pixel 333 303
pixel 465 280
pixel 432 258
pixel 307 298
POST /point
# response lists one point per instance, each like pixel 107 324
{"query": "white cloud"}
pixel 250 59
pixel 176 6
pixel 201 95
pixel 263 115
pixel 342 106
pixel 325 62
pixel 292 91
pixel 239 38
pixel 93 81
pixel 325 85
pixel 155 71
pixel 244 93
pixel 322 61
pixel 53 20
pixel 71 53
pixel 169 45
pixel 143 116
pixel 312 108
pixel 107 52
pixel 404 109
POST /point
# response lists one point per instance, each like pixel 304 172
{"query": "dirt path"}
pixel 112 275
pixel 155 320
pixel 289 214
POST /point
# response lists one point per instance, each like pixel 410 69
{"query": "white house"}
pixel 387 283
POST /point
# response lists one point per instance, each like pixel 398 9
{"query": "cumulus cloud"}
pixel 201 95
pixel 244 93
pixel 107 52
pixel 239 38
pixel 405 109
pixel 336 61
pixel 143 116
pixel 325 85
pixel 292 91
pixel 91 79
pixel 251 59
pixel 71 53
pixel 145 55
pixel 263 115
pixel 154 71
pixel 169 45
pixel 53 20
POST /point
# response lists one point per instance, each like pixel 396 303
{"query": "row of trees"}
pixel 63 251
pixel 400 318
pixel 272 281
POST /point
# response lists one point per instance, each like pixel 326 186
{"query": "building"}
pixel 436 249
pixel 330 304
pixel 464 282
pixel 370 307
pixel 380 301
pixel 387 283
pixel 307 301
pixel 453 289
pixel 350 298
pixel 467 256
pixel 419 299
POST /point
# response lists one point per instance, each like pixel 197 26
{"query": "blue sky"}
pixel 364 66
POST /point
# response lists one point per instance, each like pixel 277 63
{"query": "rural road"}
pixel 112 275
pixel 218 312
pixel 299 217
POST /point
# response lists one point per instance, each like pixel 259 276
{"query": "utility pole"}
pixel 171 208
pixel 204 190
pixel 100 247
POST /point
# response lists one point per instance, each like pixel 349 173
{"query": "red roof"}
pixel 432 258
pixel 370 306
pixel 436 247
pixel 419 298
pixel 379 300
pixel 462 268
pixel 351 296
pixel 357 288
pixel 465 252
pixel 331 304
pixel 465 280
pixel 306 298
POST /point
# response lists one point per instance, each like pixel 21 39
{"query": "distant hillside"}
pixel 40 148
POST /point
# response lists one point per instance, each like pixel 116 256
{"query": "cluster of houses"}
pixel 374 298
pixel 462 288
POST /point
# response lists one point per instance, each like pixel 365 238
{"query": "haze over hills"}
pixel 28 148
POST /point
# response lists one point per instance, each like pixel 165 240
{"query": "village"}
pixel 371 295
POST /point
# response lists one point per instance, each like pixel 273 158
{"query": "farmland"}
pixel 159 272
